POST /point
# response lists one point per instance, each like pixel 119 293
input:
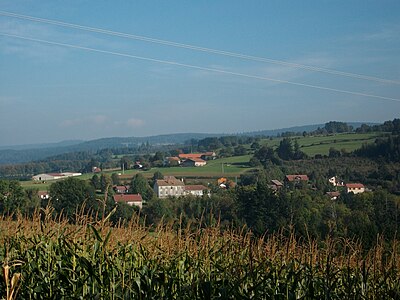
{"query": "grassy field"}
pixel 37 185
pixel 348 142
pixel 225 167
pixel 312 145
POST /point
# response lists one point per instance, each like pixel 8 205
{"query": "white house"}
pixel 336 181
pixel 355 188
pixel 194 162
pixel 44 195
pixel 169 186
pixel 196 190
pixel 130 199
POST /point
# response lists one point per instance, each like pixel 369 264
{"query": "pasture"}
pixel 320 144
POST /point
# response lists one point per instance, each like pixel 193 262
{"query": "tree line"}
pixel 251 204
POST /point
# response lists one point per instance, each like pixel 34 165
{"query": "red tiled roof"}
pixel 297 177
pixel 198 187
pixel 354 185
pixel 190 155
pixel 43 193
pixel 128 198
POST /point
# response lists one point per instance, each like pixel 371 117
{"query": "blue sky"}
pixel 50 92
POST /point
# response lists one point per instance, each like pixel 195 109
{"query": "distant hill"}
pixel 42 146
pixel 306 128
pixel 27 153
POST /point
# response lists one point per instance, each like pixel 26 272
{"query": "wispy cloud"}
pixel 131 123
pixel 134 122
pixel 385 34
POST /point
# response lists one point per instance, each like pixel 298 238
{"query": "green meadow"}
pixel 320 144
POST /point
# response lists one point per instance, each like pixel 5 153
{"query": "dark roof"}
pixel 169 181
pixel 196 159
pixel 208 154
pixel 297 177
pixel 277 182
pixel 333 194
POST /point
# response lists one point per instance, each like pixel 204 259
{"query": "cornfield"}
pixel 48 258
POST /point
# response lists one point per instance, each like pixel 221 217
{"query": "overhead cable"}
pixel 201 68
pixel 202 49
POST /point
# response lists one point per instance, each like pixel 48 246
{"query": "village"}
pixel 171 186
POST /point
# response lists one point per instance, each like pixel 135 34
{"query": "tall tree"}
pixel 12 197
pixel 139 185
pixel 67 196
pixel 105 183
pixel 115 179
pixel 285 149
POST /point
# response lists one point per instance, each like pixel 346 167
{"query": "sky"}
pixel 264 65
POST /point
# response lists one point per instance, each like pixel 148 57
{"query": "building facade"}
pixel 169 186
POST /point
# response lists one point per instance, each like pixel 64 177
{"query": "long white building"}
pixel 53 176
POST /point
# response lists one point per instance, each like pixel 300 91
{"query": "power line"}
pixel 200 68
pixel 197 48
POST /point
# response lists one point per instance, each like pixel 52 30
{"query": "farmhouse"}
pixel 276 184
pixel 121 189
pixel 355 188
pixel 172 161
pixel 184 156
pixel 296 178
pixel 335 181
pixel 131 199
pixel 204 156
pixel 208 156
pixel 96 170
pixel 44 195
pixel 333 195
pixel 196 190
pixel 296 181
pixel 194 162
pixel 169 186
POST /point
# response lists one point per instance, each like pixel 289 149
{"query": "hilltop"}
pixel 33 152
